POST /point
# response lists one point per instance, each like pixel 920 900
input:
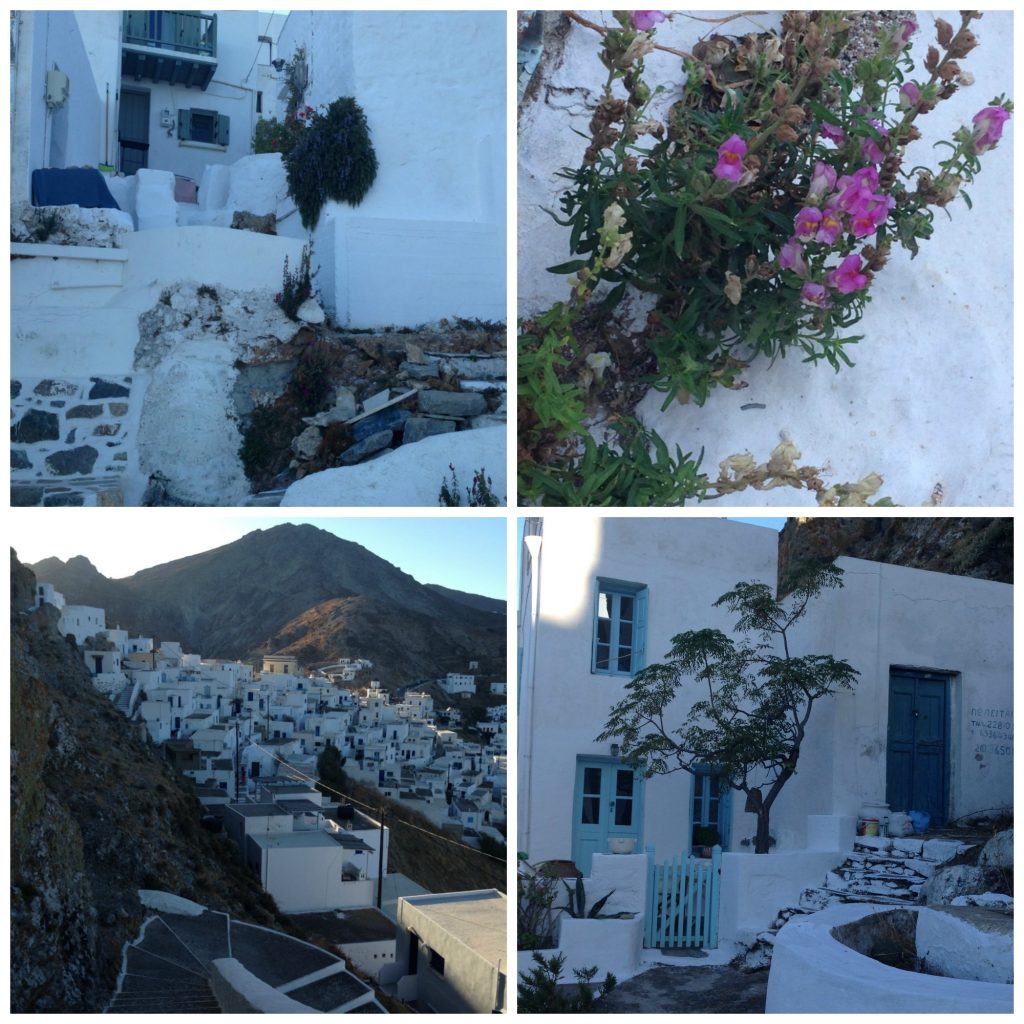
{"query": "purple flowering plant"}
pixel 760 207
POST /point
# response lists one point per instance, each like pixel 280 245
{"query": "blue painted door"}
pixel 710 808
pixel 608 803
pixel 916 776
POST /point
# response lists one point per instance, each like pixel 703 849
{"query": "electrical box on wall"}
pixel 56 88
pixel 166 119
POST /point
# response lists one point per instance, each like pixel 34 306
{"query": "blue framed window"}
pixel 620 627
pixel 710 809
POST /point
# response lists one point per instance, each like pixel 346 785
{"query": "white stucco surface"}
pixel 929 400
pixel 812 972
pixel 168 903
pixel 613 945
pixel 409 475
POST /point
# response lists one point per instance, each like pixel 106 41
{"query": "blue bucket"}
pixel 920 820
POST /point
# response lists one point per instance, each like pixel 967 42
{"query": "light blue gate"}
pixel 682 902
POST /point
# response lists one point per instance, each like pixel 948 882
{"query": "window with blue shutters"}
pixel 710 809
pixel 204 126
pixel 620 627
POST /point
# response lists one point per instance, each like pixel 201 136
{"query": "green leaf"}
pixel 679 232
pixel 568 268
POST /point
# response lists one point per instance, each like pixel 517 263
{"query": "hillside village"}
pixel 250 740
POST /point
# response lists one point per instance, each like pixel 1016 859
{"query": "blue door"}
pixel 608 803
pixel 917 770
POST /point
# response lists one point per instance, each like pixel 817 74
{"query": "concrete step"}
pixel 159 940
pixel 276 958
pixel 142 964
pixel 205 936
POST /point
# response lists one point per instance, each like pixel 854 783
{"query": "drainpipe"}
pixel 532 543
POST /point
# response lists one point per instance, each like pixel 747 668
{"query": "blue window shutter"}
pixel 222 130
pixel 640 631
pixel 184 124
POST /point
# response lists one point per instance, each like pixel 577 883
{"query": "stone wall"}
pixel 69 439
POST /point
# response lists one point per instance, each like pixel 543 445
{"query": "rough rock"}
pixel 76 462
pixel 307 444
pixel 452 403
pixel 419 427
pixel 103 388
pixel 263 224
pixel 36 425
pixel 998 852
pixel 69 225
pixel 310 312
pixel 959 880
pixel 386 419
pixel 369 445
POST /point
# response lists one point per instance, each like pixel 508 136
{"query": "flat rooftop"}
pixel 294 840
pixel 478 919
pixel 259 810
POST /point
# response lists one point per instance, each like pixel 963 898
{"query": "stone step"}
pixel 159 940
pixel 206 936
pixel 163 1003
pixel 276 958
pixel 142 964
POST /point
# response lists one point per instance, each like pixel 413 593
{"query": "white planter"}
pixel 622 844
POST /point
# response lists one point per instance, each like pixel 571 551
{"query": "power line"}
pixel 259 46
pixel 369 807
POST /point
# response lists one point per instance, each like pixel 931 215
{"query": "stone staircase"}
pixel 123 701
pixel 889 871
pixel 167 968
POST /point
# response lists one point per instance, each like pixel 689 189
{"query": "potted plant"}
pixel 704 838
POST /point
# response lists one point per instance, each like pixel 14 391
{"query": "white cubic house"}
pixel 928 725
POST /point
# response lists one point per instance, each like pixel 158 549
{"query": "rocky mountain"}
pixel 96 815
pixel 484 604
pixel 298 589
pixel 975 546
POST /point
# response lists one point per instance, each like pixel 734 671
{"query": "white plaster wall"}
pixel 933 320
pixel 432 85
pixel 686 567
pixel 52 40
pixel 304 879
pixel 890 616
pixel 755 887
pixel 814 973
pixel 614 946
pixel 101 38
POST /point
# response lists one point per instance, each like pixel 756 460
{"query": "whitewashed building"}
pixel 927 725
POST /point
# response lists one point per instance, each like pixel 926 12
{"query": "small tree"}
pixel 751 723
pixel 329 768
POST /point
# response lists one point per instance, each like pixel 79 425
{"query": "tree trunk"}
pixel 761 836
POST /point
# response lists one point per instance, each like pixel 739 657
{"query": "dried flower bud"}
pixel 943 32
pixel 794 115
pixel 949 71
pixel 931 62
pixel 794 21
pixel 780 94
pixel 824 66
pixel 629 165
pixel 733 288
pixel 965 79
pixel 786 134
pixel 964 42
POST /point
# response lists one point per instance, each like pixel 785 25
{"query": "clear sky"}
pixel 459 552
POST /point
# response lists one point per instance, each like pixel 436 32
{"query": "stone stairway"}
pixel 879 870
pixel 123 700
pixel 167 968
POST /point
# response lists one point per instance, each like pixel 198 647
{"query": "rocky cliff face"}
pixel 960 546
pixel 95 816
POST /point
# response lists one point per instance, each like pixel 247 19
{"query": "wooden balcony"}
pixel 179 47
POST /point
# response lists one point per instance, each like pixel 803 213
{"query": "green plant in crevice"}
pixel 332 159
pixel 758 209
pixel 296 285
pixel 479 494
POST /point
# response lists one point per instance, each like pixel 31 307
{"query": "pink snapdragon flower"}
pixel 823 180
pixel 910 96
pixel 831 226
pixel 908 28
pixel 791 257
pixel 833 133
pixel 730 159
pixel 806 223
pixel 867 215
pixel 815 295
pixel 644 21
pixel 847 277
pixel 988 127
pixel 870 149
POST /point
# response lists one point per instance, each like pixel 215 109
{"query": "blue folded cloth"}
pixel 73 186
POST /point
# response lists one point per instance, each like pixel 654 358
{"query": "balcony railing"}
pixel 181 31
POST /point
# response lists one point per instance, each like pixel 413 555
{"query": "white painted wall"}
pixel 432 85
pixel 884 616
pixel 563 707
